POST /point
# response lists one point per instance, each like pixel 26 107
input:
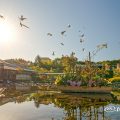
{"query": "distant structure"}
pixel 118 66
pixel 14 72
pixel 45 59
pixel 112 67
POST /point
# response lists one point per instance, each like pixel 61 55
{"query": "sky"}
pixel 98 20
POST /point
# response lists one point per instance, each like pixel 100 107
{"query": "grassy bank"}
pixel 73 89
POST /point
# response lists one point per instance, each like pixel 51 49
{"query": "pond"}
pixel 39 105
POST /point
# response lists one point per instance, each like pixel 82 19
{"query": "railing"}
pixel 51 73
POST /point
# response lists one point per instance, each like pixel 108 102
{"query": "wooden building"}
pixel 12 72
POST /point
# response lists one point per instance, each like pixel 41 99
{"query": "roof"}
pixel 45 58
pixel 12 66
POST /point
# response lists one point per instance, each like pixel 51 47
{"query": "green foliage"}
pixel 75 70
pixel 103 82
pixel 109 74
pixel 116 73
pixel 62 80
pixel 47 66
pixel 59 80
pixel 38 61
pixel 112 62
pixel 69 63
pixel 97 77
pixel 114 79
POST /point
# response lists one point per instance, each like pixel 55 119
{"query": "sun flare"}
pixel 6 32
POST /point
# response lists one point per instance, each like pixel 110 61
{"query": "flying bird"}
pixel 104 45
pixel 2 17
pixel 63 32
pixel 62 43
pixel 53 53
pixel 83 49
pixel 23 25
pixel 69 26
pixel 49 34
pixel 22 18
pixel 82 35
pixel 81 40
pixel 98 46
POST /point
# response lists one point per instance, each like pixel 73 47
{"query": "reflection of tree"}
pixel 37 104
pixel 20 99
pixel 75 106
pixel 41 98
pixel 79 108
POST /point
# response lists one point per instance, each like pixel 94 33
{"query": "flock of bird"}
pixel 82 39
pixel 21 18
pixel 63 34
pixel 2 17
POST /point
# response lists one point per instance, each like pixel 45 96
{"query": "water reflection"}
pixel 74 106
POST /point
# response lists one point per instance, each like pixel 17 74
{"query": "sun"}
pixel 6 32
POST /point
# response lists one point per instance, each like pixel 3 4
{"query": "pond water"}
pixel 39 105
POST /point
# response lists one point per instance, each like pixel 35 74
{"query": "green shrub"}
pixel 59 80
pixel 62 80
pixel 109 74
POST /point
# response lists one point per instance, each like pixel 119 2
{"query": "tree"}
pixel 69 63
pixel 38 61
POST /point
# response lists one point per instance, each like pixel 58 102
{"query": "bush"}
pixel 59 80
pixel 109 74
pixel 63 80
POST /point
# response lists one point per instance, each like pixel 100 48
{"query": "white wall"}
pixel 23 77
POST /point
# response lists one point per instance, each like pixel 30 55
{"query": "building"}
pixel 12 72
pixel 45 60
